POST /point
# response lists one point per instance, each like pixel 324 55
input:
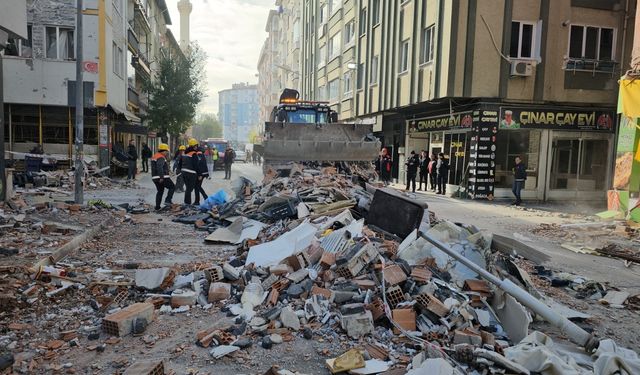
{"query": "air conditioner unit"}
pixel 521 68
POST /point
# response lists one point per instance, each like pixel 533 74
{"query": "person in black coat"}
pixel 412 164
pixel 229 157
pixel 423 167
pixel 132 152
pixel 519 177
pixel 145 154
pixel 442 170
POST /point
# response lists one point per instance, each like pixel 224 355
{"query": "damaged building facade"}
pixel 481 82
pixel 122 42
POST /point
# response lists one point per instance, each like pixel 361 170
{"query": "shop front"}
pixel 567 151
pixel 449 134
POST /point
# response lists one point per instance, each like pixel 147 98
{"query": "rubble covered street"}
pixel 314 273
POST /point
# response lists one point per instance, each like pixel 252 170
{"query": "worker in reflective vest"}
pixel 190 171
pixel 160 175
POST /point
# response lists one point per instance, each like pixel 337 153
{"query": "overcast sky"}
pixel 231 32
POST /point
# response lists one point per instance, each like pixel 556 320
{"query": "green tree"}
pixel 176 91
pixel 207 126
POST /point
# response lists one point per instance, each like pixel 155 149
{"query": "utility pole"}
pixel 79 172
pixel 3 177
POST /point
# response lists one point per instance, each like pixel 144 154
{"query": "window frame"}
pixel 322 56
pixel 598 42
pixel 360 77
pixel 373 73
pixel 334 6
pixel 534 40
pixel 362 24
pixel 403 57
pixel 352 40
pixel 46 43
pixel 375 17
pixel 347 87
pixel 431 53
pixel 332 51
pixel 336 85
pixel 324 16
pixel 19 44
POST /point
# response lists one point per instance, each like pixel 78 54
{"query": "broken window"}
pixel 59 43
pixel 20 47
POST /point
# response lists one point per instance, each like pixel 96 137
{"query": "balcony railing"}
pixel 133 97
pixel 590 65
pixel 132 39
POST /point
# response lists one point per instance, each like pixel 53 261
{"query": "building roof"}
pixel 162 4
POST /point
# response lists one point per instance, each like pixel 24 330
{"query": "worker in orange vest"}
pixel 160 175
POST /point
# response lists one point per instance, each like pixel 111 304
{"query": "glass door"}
pixel 579 162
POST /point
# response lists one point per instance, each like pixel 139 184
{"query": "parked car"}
pixel 240 156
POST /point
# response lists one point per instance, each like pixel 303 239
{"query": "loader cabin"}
pixel 293 110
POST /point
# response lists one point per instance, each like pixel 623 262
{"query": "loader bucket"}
pixel 319 142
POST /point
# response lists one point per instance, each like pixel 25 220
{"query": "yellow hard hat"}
pixel 182 148
pixel 163 147
pixel 193 142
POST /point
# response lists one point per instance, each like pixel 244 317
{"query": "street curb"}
pixel 75 243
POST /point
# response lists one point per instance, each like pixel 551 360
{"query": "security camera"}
pixel 566 23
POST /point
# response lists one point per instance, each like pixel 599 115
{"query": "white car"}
pixel 241 156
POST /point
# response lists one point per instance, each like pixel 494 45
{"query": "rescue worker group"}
pixel 190 166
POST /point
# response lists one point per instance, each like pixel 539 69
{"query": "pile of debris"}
pixel 323 256
pixel 63 181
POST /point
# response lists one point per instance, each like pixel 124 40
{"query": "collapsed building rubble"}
pixel 323 256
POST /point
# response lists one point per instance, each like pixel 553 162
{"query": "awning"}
pixel 130 128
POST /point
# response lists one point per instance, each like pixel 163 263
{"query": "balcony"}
pixel 133 97
pixel 141 14
pixel 132 39
pixel 590 66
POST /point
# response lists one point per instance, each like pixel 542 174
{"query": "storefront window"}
pixel 579 164
pixel 512 143
pixel 456 148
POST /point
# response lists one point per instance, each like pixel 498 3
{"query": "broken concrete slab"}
pixel 357 325
pixel 289 319
pixel 271 253
pixel 372 366
pixel 150 278
pixel 615 299
pixel 223 350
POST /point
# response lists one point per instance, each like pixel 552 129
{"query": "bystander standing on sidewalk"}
pixel 519 177
pixel 422 169
pixel 145 154
pixel 132 163
pixel 383 166
pixel 442 169
pixel 229 157
pixel 412 164
pixel 433 173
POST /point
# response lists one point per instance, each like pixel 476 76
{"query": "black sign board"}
pixel 558 119
pixel 453 121
pixel 482 158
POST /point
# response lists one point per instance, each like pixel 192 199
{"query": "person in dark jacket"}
pixel 160 175
pixel 229 157
pixel 383 166
pixel 189 169
pixel 423 167
pixel 519 177
pixel 433 173
pixel 132 152
pixel 203 172
pixel 177 168
pixel 412 164
pixel 145 154
pixel 442 169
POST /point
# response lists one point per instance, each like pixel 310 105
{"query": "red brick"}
pixel 394 275
pixel 406 318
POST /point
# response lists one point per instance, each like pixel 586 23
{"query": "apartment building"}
pixel 239 111
pixel 481 81
pixel 122 40
pixel 279 62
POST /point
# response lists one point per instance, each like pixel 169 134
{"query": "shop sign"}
pixel 152 134
pixel 559 119
pixel 454 121
pixel 482 160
